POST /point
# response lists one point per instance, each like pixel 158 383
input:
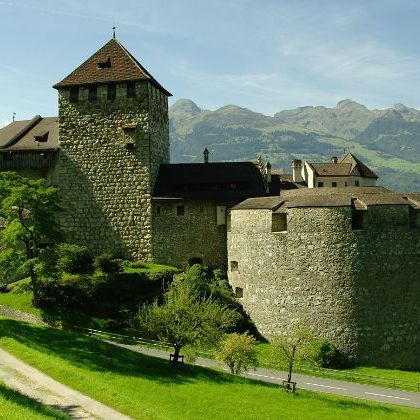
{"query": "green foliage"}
pixel 11 264
pixel 295 343
pixel 107 264
pixel 239 352
pixel 28 207
pixel 326 354
pixel 186 318
pixel 73 259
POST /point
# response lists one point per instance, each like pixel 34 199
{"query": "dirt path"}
pixel 38 386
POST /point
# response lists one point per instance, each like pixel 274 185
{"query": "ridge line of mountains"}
pixel 387 140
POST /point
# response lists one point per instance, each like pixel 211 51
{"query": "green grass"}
pixel 16 406
pixel 151 268
pixel 384 377
pixel 145 387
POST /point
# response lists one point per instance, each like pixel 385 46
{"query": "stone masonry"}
pixel 110 152
pixel 358 288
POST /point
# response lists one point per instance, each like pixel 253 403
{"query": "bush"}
pixel 137 264
pixel 73 259
pixel 239 352
pixel 327 355
pixel 107 264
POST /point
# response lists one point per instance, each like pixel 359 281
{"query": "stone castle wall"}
pixel 358 288
pixel 105 181
pixel 178 239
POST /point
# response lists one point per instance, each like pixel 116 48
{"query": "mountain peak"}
pixel 184 109
pixel 349 104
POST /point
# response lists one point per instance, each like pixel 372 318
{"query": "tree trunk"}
pixel 291 360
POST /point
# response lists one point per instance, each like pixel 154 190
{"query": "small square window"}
pixel 131 90
pixel 180 210
pixel 333 184
pixel 239 292
pixel 112 92
pixel 320 184
pixel 234 266
pixel 93 93
pixel 74 94
pixel 357 220
pixel 357 183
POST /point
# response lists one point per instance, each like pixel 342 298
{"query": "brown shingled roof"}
pixel 111 63
pixel 357 167
pixel 360 198
pixel 38 134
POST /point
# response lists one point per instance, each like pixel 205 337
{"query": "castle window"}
pixel 345 184
pixel 279 222
pixel 333 184
pixel 42 138
pixel 320 184
pixel 357 219
pixel 112 91
pixel 234 266
pixel 105 64
pixel 239 292
pixel 195 260
pixel 131 90
pixel 357 183
pixel 93 93
pixel 74 94
pixel 180 210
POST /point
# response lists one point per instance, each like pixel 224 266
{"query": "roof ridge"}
pixel 32 123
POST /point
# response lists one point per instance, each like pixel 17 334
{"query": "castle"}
pixel 324 241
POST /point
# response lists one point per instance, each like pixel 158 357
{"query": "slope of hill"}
pixel 387 140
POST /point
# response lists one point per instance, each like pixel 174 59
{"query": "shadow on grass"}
pixel 28 403
pixel 95 355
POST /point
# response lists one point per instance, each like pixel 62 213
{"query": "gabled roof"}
pixel 38 134
pixel 348 165
pixel 111 63
pixel 224 181
pixel 357 167
pixel 331 169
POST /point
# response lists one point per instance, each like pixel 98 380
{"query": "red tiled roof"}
pixel 111 63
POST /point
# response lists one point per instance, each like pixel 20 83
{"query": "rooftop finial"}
pixel 13 116
pixel 206 155
pixel 113 29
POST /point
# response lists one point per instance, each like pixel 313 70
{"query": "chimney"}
pixel 297 170
pixel 268 172
pixel 334 159
pixel 206 155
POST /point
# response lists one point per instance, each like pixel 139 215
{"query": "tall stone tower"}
pixel 113 133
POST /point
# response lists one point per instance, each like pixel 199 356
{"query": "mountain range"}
pixel 387 140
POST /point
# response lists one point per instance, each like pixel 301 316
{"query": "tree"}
pixel 27 210
pixel 294 343
pixel 239 352
pixel 186 318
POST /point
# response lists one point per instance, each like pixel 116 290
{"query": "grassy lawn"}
pixel 151 268
pixel 383 377
pixel 145 387
pixel 16 406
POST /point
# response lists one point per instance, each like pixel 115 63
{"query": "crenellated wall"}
pixel 110 152
pixel 358 288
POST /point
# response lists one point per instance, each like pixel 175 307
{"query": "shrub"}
pixel 239 352
pixel 327 355
pixel 137 264
pixel 73 259
pixel 107 264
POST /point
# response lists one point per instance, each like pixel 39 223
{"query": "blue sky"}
pixel 265 55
